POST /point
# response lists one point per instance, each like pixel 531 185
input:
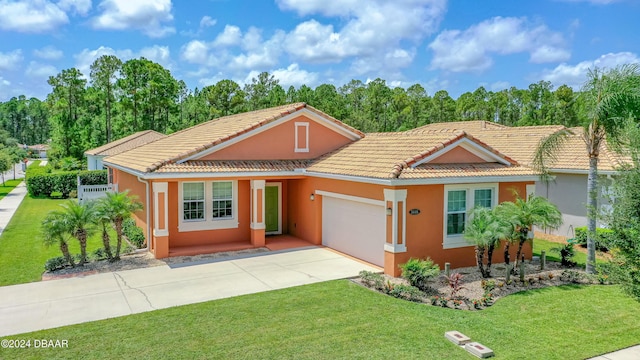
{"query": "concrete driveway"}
pixel 49 304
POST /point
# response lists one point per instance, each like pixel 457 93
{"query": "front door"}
pixel 272 209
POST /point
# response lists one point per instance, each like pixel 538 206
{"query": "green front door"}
pixel 271 215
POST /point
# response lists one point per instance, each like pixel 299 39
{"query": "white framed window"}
pixel 458 202
pixel 193 201
pixel 301 137
pixel 208 205
pixel 222 200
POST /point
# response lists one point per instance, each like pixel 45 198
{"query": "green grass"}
pixel 8 186
pixel 341 320
pixel 22 254
pixel 539 245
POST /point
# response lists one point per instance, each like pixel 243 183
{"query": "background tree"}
pixel 610 98
pixel 104 73
pixel 5 163
pixel 67 101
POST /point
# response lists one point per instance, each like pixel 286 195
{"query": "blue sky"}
pixel 451 45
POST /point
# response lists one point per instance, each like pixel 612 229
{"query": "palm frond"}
pixel 548 151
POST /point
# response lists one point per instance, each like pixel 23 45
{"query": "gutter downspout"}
pixel 146 183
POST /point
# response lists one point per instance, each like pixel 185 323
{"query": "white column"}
pixel 398 199
pixel 257 204
pixel 160 209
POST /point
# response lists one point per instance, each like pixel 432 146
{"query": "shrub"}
pixel 566 254
pixel 371 279
pixel 73 194
pixel 42 182
pixel 406 292
pixel 133 233
pixel 99 254
pixel 604 238
pixel 419 272
pixel 455 283
pixel 488 285
pixel 572 276
pixel 55 263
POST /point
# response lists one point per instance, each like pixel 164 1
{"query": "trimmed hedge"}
pixel 41 181
pixel 604 237
pixel 134 233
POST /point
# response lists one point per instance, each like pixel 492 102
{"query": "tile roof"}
pixel 126 143
pixel 463 125
pixel 391 155
pixel 219 166
pixel 188 142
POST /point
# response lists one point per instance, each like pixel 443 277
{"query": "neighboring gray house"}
pixel 568 187
pixel 95 156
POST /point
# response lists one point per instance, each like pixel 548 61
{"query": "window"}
pixel 207 205
pixel 456 211
pixel 459 200
pixel 193 201
pixel 222 200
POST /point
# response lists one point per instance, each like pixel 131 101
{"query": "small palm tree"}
pixel 117 206
pixel 55 231
pixel 485 230
pixel 610 98
pixel 524 215
pixel 105 221
pixel 79 220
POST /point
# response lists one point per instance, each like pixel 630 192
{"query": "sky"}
pixel 443 45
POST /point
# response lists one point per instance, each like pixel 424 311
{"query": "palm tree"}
pixel 118 206
pixel 524 215
pixel 610 98
pixel 79 220
pixel 105 221
pixel 484 230
pixel 55 231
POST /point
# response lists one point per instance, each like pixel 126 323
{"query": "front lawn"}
pixel 22 254
pixel 540 244
pixel 341 320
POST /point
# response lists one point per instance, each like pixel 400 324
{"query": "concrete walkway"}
pixel 630 353
pixel 10 203
pixel 49 304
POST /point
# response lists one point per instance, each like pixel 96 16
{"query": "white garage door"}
pixel 354 228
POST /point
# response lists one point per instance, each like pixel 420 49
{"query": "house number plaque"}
pixel 414 211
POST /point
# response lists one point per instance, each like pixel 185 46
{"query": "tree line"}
pixel 119 98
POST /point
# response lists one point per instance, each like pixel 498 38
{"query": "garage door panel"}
pixel 354 228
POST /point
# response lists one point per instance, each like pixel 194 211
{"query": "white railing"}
pixel 92 192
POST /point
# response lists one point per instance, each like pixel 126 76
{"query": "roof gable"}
pixel 196 141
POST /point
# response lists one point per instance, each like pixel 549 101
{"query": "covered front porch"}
pixel 272 213
pixel 272 242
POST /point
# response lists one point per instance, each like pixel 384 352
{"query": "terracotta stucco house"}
pixel 567 187
pixel 380 197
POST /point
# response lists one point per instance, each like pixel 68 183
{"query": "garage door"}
pixel 354 228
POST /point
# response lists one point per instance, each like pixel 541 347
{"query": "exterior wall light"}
pixel 389 211
pixel 312 197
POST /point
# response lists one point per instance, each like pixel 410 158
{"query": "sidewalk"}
pixel 630 353
pixel 9 204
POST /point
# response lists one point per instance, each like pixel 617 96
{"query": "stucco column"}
pixel 257 213
pixel 160 219
pixel 396 229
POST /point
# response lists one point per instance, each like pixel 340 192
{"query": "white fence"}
pixel 92 192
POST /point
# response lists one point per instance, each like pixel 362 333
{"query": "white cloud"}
pixel 471 49
pixel 41 71
pixel 575 75
pixel 155 53
pixel 371 28
pixel 10 60
pixel 499 85
pixel 80 7
pixel 294 76
pixel 48 53
pixel 31 16
pixel 207 21
pixel 148 16
pixel 230 36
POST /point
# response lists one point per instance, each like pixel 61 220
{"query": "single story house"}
pixel 568 185
pixel 95 156
pixel 379 197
